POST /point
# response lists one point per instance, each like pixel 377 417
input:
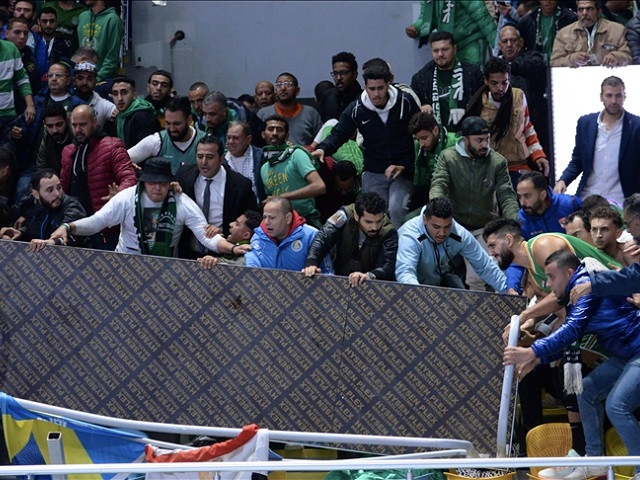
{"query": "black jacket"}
pixel 527 25
pixel 529 73
pixel 40 222
pixel 333 103
pixel 633 37
pixel 238 198
pixel 422 82
pixel 384 144
pixel 376 255
pixel 137 126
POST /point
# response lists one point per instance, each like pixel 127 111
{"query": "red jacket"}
pixel 108 162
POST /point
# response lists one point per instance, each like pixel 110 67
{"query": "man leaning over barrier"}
pixel 615 384
pixel 151 217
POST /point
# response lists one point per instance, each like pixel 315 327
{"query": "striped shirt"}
pixel 11 71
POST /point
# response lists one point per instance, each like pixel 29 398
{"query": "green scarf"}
pixel 456 93
pixel 161 245
pixel 275 154
pixel 138 104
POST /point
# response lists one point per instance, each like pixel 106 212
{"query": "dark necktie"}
pixel 207 199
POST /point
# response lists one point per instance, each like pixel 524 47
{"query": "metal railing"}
pixel 322 465
pixel 312 438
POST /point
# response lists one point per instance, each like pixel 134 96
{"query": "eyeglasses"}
pixel 340 73
pixel 284 84
pixel 56 75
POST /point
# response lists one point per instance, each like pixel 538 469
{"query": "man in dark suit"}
pixel 222 194
pixel 607 150
pixel 244 158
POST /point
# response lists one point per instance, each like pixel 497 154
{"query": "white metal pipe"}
pixel 320 465
pixel 274 435
pixel 56 452
pixel 505 399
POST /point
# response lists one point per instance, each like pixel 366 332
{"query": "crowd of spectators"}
pixel 443 181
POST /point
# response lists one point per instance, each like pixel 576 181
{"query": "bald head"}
pixel 510 42
pixel 84 123
pixel 264 94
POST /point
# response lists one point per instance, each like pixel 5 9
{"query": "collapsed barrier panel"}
pixel 163 340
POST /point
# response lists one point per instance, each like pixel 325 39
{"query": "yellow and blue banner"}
pixel 26 432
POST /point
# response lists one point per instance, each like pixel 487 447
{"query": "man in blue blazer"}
pixel 607 150
pixel 222 194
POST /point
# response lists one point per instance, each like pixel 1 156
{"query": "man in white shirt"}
pixel 222 194
pixel 244 158
pixel 607 150
pixel 151 218
pixel 177 142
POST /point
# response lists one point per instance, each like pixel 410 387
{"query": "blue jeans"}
pixel 614 386
pixel 395 192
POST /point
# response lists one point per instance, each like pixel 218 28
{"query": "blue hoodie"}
pixel 560 205
pixel 290 253
pixel 613 320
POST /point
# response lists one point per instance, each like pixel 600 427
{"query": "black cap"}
pixel 157 169
pixel 474 126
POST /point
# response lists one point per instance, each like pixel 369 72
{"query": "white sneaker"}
pixel 583 473
pixel 558 473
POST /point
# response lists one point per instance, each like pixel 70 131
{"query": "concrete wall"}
pixel 233 45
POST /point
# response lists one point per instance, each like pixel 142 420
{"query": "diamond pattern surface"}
pixel 163 340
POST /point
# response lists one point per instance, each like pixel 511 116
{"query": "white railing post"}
pixel 505 399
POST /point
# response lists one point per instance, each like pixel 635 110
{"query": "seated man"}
pixel 591 40
pixel 427 244
pixel 365 242
pixel 283 239
pixel 44 210
pixel 613 386
pixel 150 215
pixel 333 101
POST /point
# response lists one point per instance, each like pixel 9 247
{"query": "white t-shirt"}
pixel 104 108
pixel 120 210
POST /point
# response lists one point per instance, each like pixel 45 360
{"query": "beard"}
pixel 55 205
pixel 505 259
pixel 478 153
